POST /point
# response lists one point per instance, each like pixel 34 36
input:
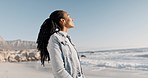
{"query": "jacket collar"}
pixel 63 33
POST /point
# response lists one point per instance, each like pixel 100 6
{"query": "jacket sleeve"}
pixel 56 59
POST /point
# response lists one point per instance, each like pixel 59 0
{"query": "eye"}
pixel 68 15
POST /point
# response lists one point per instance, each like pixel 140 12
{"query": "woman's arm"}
pixel 56 59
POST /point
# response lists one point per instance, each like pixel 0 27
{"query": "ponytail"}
pixel 49 26
pixel 47 29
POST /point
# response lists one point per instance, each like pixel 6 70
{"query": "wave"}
pixel 146 55
pixel 130 59
pixel 115 64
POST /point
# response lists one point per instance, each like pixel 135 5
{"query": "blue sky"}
pixel 99 24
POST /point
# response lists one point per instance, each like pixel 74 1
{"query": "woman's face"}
pixel 68 21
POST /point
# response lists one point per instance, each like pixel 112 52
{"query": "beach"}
pixel 35 70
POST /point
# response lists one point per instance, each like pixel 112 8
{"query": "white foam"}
pixel 131 60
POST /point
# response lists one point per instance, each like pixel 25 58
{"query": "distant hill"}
pixel 1 39
pixel 3 44
pixel 16 44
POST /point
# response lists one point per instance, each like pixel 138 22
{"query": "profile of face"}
pixel 67 21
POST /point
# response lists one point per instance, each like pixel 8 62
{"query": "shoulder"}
pixel 57 36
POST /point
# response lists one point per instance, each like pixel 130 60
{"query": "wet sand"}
pixel 35 70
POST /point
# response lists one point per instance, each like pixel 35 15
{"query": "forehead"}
pixel 66 15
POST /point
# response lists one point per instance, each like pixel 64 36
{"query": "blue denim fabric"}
pixel 64 57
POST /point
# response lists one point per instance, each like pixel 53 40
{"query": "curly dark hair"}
pixel 49 26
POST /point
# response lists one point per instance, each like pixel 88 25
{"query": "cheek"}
pixel 69 22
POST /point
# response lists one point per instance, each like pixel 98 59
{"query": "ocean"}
pixel 127 59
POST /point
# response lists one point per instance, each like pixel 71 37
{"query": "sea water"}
pixel 128 59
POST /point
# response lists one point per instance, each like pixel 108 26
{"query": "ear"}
pixel 62 21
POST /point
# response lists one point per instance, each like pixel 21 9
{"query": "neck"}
pixel 65 29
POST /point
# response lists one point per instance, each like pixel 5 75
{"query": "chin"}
pixel 72 26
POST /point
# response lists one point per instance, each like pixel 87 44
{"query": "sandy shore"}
pixel 23 70
pixel 35 70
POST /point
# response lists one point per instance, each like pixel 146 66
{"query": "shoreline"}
pixel 35 70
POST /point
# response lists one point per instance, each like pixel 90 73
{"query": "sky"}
pixel 99 24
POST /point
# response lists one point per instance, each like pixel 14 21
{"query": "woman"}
pixel 53 38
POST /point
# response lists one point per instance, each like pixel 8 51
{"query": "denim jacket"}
pixel 64 58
